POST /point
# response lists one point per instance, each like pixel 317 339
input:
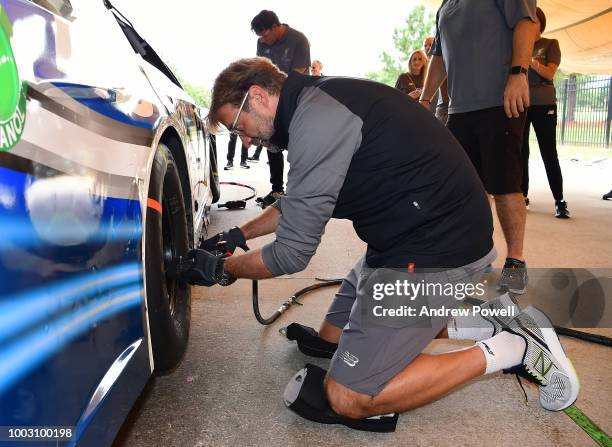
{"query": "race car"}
pixel 107 177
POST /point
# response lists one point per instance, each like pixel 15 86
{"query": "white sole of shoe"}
pixel 515 291
pixel 518 291
pixel 556 349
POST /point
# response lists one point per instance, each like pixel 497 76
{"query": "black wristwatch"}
pixel 222 277
pixel 517 69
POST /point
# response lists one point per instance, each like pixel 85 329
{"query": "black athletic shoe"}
pixel 561 210
pixel 527 202
pixel 607 196
pixel 253 159
pixel 514 277
pixel 268 200
pixel 228 166
pixel 244 165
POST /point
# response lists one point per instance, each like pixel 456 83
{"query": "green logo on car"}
pixel 12 96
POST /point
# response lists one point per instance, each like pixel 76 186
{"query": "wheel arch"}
pixel 170 137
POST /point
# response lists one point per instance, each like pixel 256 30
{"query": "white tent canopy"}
pixel 583 29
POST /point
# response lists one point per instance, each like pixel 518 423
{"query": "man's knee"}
pixel 346 402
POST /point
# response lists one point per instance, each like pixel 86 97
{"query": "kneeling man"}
pixel 362 151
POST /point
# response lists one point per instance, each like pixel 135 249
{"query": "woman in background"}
pixel 542 113
pixel 412 81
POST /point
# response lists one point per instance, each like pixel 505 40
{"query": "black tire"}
pixel 214 172
pixel 166 238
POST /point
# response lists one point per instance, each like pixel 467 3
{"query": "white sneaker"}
pixel 544 361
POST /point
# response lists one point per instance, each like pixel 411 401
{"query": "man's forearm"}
pixel 523 38
pixel 265 223
pixel 436 74
pixel 546 71
pixel 516 93
pixel 249 265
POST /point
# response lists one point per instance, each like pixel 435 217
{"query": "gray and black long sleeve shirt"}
pixel 364 151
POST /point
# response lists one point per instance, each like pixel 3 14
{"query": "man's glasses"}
pixel 239 132
pixel 232 129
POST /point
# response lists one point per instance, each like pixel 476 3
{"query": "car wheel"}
pixel 214 173
pixel 166 239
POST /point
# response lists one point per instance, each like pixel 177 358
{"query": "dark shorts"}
pixel 493 142
pixel 372 351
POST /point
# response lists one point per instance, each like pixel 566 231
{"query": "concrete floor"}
pixel 228 390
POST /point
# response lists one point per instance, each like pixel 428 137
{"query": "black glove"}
pixel 206 268
pixel 228 240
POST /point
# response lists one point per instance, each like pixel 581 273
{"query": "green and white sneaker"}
pixel 544 361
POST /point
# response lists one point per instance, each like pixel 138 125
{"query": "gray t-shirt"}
pixel 474 37
pixel 541 90
pixel 289 53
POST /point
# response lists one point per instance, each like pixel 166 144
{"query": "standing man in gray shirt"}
pixel 289 50
pixel 489 95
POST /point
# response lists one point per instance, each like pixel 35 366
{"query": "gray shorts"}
pixel 372 351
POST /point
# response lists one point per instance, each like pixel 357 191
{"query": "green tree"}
pixel 201 95
pixel 419 24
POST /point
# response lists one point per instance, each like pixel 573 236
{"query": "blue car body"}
pixel 81 114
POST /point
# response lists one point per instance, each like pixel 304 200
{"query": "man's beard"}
pixel 264 126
